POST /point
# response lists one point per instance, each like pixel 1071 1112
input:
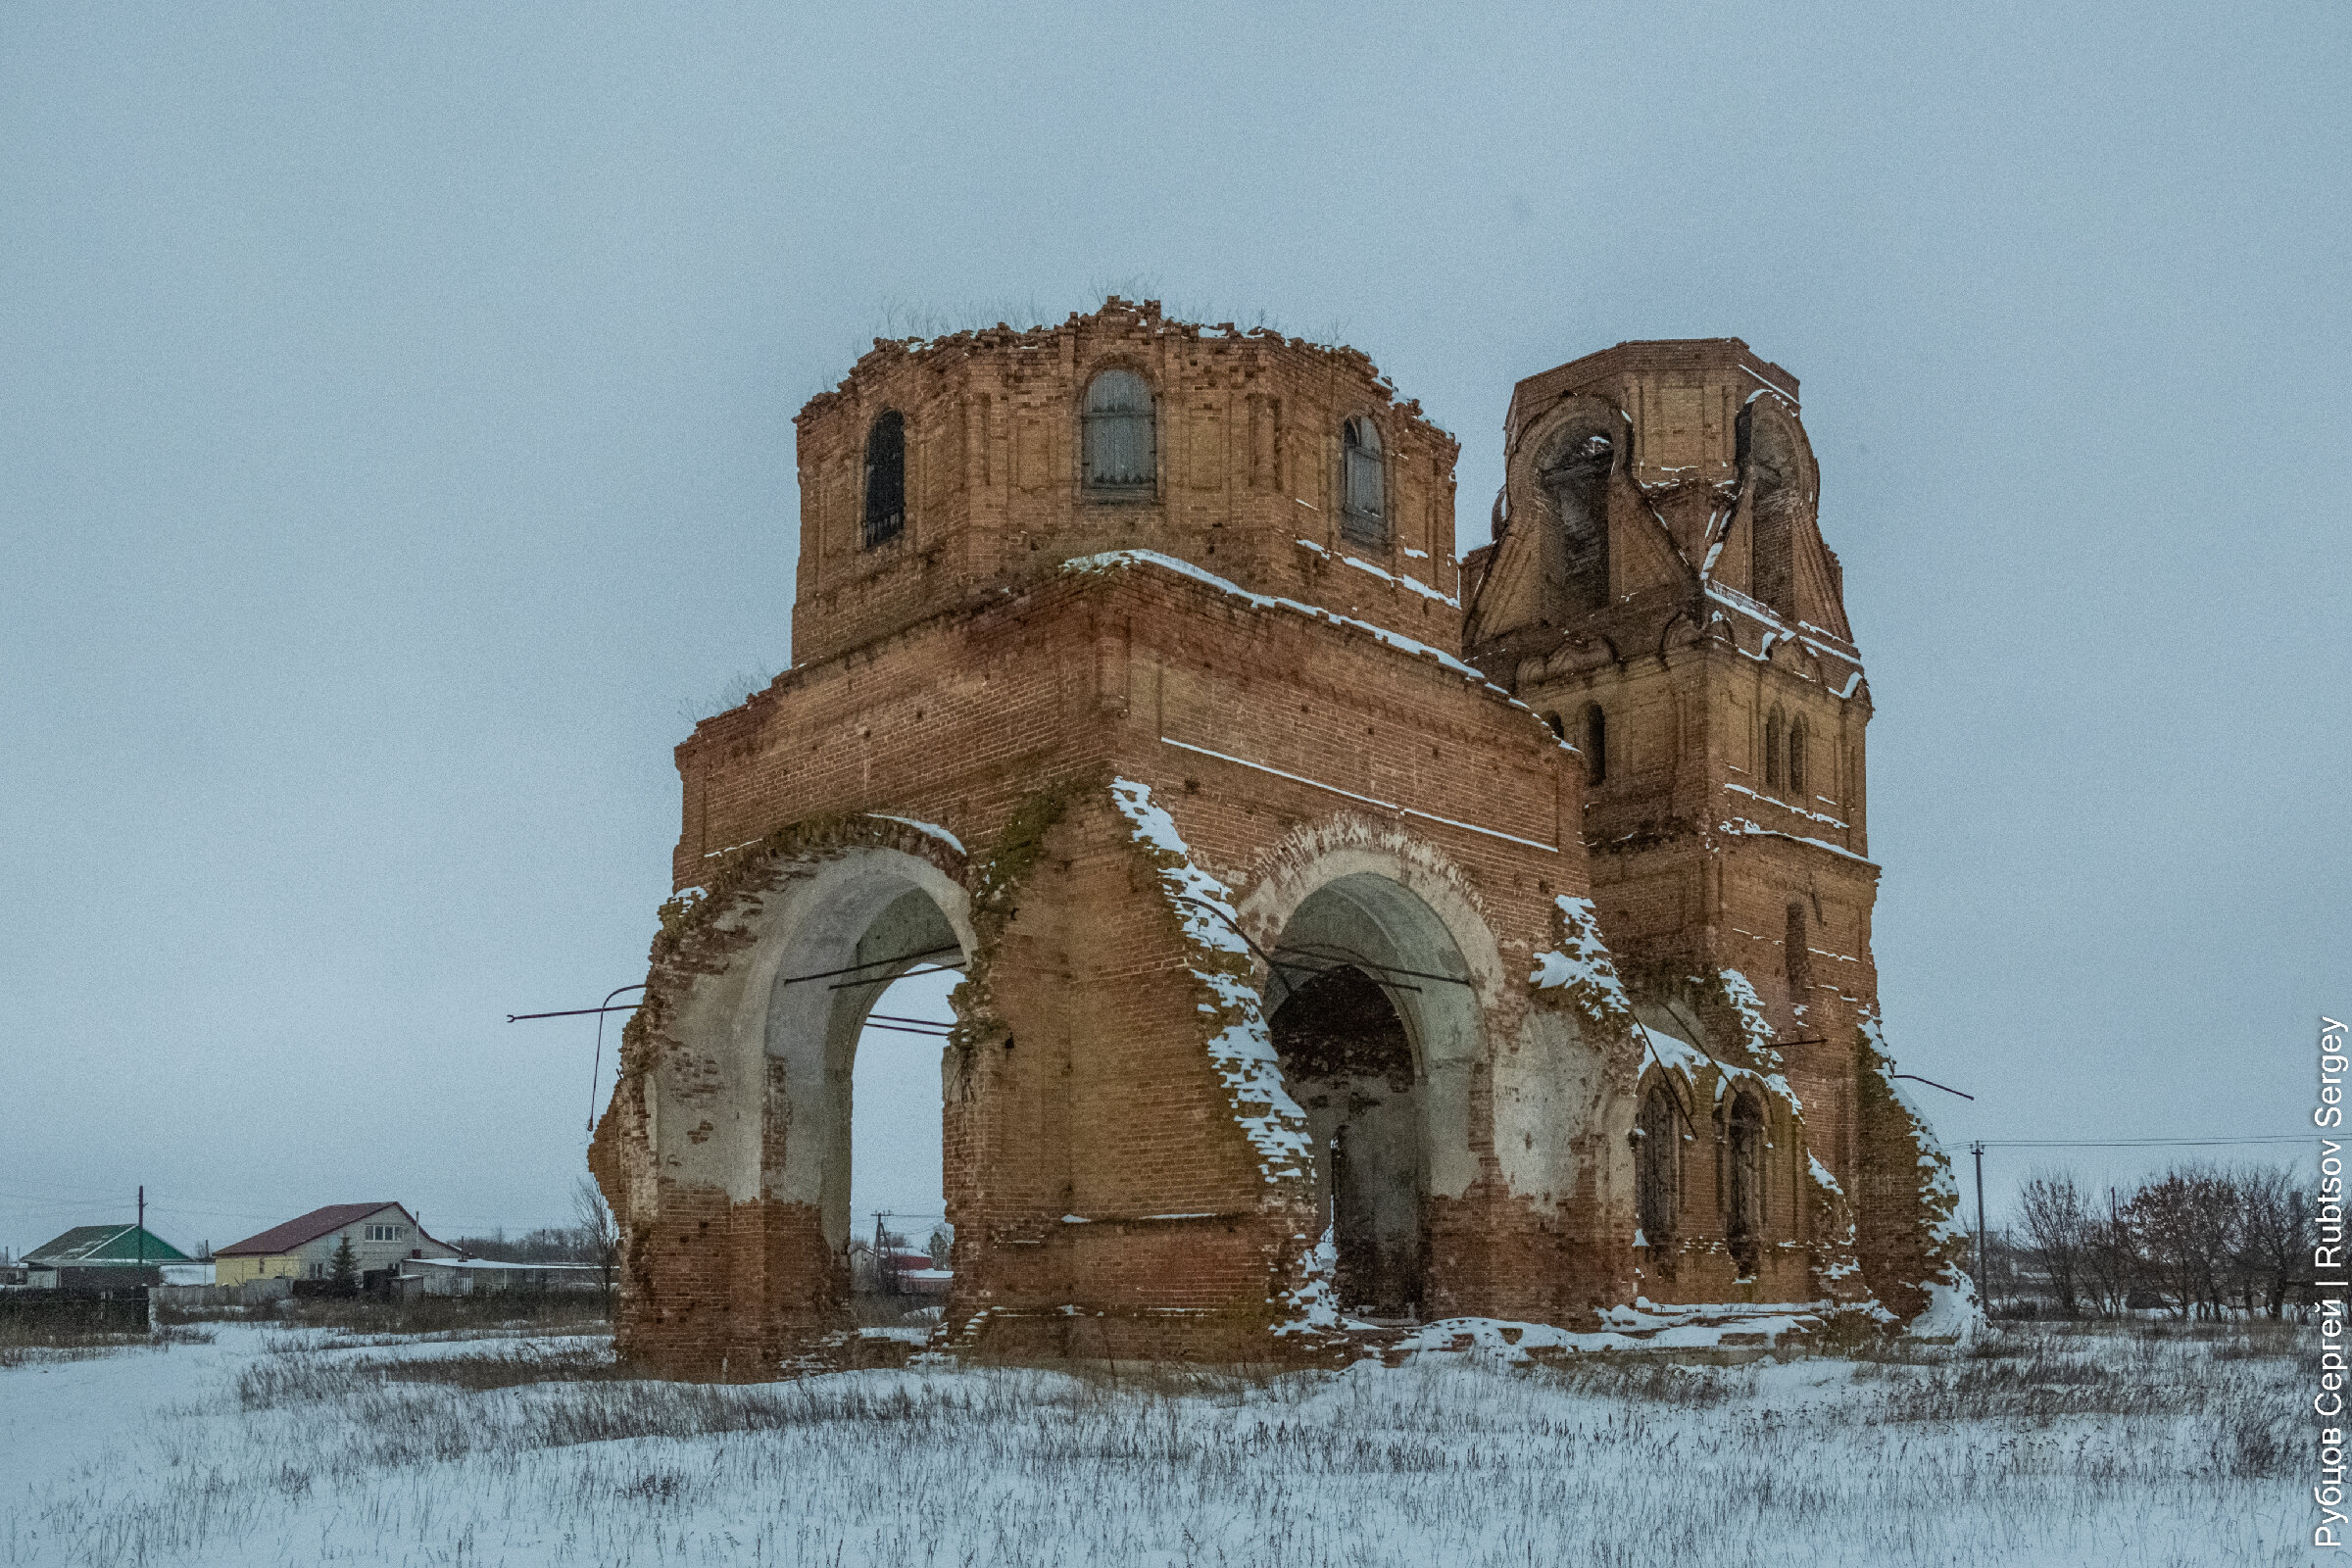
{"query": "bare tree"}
pixel 2110 1261
pixel 2060 1227
pixel 2182 1226
pixel 2275 1233
pixel 599 1236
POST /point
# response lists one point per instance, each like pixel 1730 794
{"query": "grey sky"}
pixel 396 451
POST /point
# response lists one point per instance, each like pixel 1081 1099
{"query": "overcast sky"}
pixel 396 455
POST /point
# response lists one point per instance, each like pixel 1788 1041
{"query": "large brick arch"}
pixel 728 1160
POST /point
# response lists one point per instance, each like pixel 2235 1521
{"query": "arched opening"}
pixel 1119 450
pixel 855 1108
pixel 1658 1174
pixel 1558 727
pixel 1376 1026
pixel 1743 1212
pixel 1346 1059
pixel 1796 763
pixel 1772 467
pixel 885 479
pixel 1596 743
pixel 1363 487
pixel 1772 751
pixel 900 1244
pixel 1574 473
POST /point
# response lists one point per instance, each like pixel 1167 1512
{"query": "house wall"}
pixel 315 1259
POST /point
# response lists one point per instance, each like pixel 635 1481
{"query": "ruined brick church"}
pixel 1350 936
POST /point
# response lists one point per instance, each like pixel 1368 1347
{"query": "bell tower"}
pixel 1659 590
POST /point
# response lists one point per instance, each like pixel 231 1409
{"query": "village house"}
pixel 381 1237
pixel 93 1257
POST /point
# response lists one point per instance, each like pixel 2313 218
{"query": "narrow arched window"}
pixel 885 479
pixel 1657 1167
pixel 1363 487
pixel 1559 730
pixel 1796 761
pixel 1772 751
pixel 1797 957
pixel 1743 1217
pixel 1596 743
pixel 1119 443
pixel 1574 472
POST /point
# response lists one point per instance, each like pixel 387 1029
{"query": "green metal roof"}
pixel 87 1245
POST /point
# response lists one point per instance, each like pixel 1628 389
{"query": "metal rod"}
pixel 852 985
pixel 901 1029
pixel 1363 963
pixel 1933 1084
pixel 891 1017
pixel 595 1068
pixel 572 1013
pixel 870 963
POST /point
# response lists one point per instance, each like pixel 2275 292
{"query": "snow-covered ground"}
pixel 265 1446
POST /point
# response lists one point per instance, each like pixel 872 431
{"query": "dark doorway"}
pixel 1346 1059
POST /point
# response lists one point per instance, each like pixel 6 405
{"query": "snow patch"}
pixel 1242 1052
pixel 1580 965
pixel 931 828
pixel 1111 560
pixel 1313 1303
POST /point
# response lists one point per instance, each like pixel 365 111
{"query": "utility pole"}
pixel 142 1230
pixel 1978 1149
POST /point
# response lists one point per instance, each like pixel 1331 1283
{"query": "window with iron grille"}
pixel 1119 439
pixel 1364 484
pixel 885 480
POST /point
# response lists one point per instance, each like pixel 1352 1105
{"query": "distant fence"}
pixel 116 1311
pixel 249 1293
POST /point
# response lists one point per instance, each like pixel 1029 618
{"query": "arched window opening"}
pixel 1120 447
pixel 1744 1219
pixel 1559 730
pixel 1796 762
pixel 1772 751
pixel 1658 1173
pixel 885 479
pixel 1575 475
pixel 1797 959
pixel 1596 744
pixel 1363 487
pixel 1771 470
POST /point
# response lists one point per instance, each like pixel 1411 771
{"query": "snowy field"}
pixel 264 1447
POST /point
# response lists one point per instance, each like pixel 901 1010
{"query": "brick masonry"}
pixel 937 771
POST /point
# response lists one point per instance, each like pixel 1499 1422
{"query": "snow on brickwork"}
pixel 1581 966
pixel 1111 560
pixel 1313 1303
pixel 933 829
pixel 1242 1050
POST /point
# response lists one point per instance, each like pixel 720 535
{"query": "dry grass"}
pixel 2039 1445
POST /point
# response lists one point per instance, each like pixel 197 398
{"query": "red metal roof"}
pixel 309 1228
